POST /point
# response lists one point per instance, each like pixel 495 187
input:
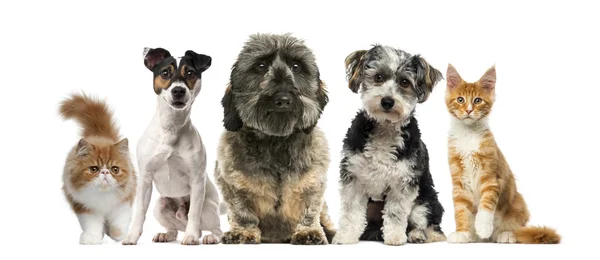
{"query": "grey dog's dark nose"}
pixel 178 92
pixel 282 100
pixel 387 103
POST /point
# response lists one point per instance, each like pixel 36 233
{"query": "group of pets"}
pixel 272 160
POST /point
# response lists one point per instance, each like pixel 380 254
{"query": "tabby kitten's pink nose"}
pixel 104 171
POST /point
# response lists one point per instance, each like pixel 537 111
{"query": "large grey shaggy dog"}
pixel 272 160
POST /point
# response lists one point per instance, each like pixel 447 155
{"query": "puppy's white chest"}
pixel 377 168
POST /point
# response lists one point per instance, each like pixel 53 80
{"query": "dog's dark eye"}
pixel 477 100
pixel 190 74
pixel 94 169
pixel 165 74
pixel 262 66
pixel 296 67
pixel 460 100
pixel 404 83
pixel 115 170
pixel 378 78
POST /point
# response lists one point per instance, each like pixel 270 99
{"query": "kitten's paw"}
pixel 341 239
pixel 309 237
pixel 396 239
pixel 460 237
pixel 242 236
pixel 164 237
pixel 484 223
pixel 130 239
pixel 416 236
pixel 90 239
pixel 210 240
pixel 506 237
pixel 190 240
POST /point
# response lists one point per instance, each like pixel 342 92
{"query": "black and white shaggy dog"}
pixel 272 160
pixel 386 188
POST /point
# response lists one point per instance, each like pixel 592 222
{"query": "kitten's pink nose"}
pixel 104 171
pixel 469 111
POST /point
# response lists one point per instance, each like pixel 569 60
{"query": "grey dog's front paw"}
pixel 241 236
pixel 309 237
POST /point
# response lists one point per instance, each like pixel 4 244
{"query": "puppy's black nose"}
pixel 387 103
pixel 178 92
pixel 283 100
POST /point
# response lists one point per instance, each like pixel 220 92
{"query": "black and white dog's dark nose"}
pixel 178 92
pixel 283 100
pixel 387 103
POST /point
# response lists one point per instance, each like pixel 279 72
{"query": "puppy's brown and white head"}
pixel 391 81
pixel 176 80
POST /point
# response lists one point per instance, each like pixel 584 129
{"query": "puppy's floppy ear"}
pixel 231 119
pixel 322 99
pixel 154 56
pixel 201 62
pixel 427 77
pixel 354 65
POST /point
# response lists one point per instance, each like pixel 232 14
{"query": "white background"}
pixel 545 118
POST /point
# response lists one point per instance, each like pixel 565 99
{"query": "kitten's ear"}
pixel 454 78
pixel 83 147
pixel 154 56
pixel 123 146
pixel 427 78
pixel 231 119
pixel 488 80
pixel 354 65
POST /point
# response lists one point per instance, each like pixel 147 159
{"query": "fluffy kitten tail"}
pixel 92 114
pixel 537 235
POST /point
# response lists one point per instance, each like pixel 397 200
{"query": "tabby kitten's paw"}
pixel 460 237
pixel 484 223
pixel 506 237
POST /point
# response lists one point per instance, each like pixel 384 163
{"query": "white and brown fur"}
pixel 386 187
pixel 171 155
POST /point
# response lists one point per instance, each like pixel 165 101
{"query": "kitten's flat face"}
pixel 470 102
pixel 100 166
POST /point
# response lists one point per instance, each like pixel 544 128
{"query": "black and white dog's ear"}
pixel 354 65
pixel 201 62
pixel 154 56
pixel 322 99
pixel 426 78
pixel 231 119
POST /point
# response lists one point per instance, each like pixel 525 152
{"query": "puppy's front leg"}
pixel 243 221
pixel 398 204
pixel 144 193
pixel 197 194
pixel 353 215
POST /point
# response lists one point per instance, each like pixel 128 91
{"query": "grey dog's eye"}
pixel 378 78
pixel 262 66
pixel 296 67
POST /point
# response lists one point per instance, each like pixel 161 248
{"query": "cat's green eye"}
pixel 477 100
pixel 94 169
pixel 115 170
pixel 460 100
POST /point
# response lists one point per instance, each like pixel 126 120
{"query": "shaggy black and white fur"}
pixel 387 190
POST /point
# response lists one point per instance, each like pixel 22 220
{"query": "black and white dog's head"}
pixel 391 81
pixel 176 80
pixel 274 87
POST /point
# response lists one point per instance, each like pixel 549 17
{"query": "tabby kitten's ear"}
pixel 83 147
pixel 488 80
pixel 453 79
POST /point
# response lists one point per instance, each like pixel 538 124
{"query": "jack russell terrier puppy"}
pixel 172 157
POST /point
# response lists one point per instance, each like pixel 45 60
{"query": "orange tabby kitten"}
pixel 487 205
pixel 99 179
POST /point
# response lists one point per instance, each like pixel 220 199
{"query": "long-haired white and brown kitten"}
pixel 99 179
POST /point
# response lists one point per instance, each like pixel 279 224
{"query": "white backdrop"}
pixel 544 119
